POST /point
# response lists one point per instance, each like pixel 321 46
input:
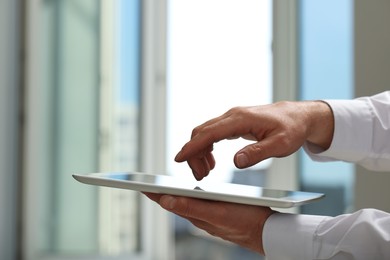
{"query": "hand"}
pixel 237 223
pixel 278 130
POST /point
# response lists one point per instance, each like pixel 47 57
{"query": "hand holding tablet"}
pixel 237 213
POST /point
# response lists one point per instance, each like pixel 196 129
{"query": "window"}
pixel 326 72
pixel 84 116
pixel 219 56
pixel 97 100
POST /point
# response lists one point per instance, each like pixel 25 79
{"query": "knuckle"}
pixel 283 140
pixel 238 111
pixel 234 110
pixel 255 152
pixel 195 131
pixel 210 135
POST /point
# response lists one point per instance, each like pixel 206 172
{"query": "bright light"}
pixel 219 56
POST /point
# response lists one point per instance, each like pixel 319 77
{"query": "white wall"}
pixel 372 75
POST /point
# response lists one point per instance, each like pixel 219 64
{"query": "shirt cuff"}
pixel 290 236
pixel 348 115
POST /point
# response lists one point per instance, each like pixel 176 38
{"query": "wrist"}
pixel 320 123
pixel 262 224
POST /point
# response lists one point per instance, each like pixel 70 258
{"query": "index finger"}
pixel 209 133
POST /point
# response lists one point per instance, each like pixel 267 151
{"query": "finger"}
pixel 199 167
pixel 153 196
pixel 208 123
pixel 211 160
pixel 208 135
pixel 202 164
pixel 273 146
pixel 191 208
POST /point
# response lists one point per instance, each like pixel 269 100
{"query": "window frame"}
pixel 11 102
pixel 284 171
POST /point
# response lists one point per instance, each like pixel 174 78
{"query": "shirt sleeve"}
pixel 361 134
pixel 289 236
pixel 362 235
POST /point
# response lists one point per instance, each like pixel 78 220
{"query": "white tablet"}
pixel 229 192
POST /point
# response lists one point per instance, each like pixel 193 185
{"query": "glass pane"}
pixel 118 209
pixel 91 74
pixel 219 56
pixel 326 49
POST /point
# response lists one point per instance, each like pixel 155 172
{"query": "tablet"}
pixel 228 192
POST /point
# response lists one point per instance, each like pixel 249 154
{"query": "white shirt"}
pixel 361 135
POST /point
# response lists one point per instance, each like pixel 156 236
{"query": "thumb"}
pixel 257 152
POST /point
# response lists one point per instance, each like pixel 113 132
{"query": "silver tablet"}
pixel 229 192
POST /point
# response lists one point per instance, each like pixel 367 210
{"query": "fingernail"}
pixel 242 160
pixel 168 202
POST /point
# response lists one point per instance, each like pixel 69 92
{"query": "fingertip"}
pixel 179 157
pixel 199 167
pixel 197 176
pixel 241 160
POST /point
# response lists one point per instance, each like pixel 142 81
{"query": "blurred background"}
pixel 89 86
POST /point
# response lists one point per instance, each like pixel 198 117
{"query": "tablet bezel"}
pixel 100 179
